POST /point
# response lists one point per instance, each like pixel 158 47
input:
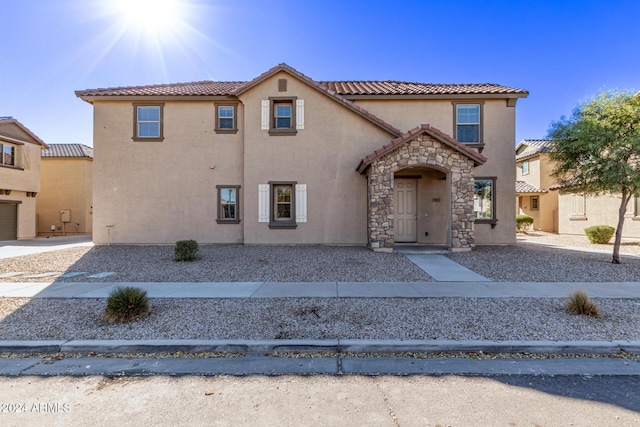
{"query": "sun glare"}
pixel 153 17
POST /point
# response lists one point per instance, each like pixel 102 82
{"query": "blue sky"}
pixel 560 51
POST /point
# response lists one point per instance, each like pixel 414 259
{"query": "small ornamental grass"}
pixel 600 234
pixel 579 303
pixel 523 222
pixel 125 304
pixel 186 250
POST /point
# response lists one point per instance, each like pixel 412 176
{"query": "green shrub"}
pixel 579 303
pixel 523 222
pixel 186 250
pixel 125 304
pixel 599 233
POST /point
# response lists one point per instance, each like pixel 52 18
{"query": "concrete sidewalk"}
pixel 482 289
pixel 15 248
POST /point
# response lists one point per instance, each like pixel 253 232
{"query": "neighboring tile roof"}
pixel 388 87
pixel 533 147
pixel 9 119
pixel 68 150
pixel 424 129
pixel 525 187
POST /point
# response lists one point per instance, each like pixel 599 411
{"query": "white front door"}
pixel 406 215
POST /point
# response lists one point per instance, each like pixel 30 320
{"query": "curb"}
pixel 262 347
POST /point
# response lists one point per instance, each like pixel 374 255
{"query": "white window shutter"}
pixel 265 114
pixel 301 202
pixel 300 114
pixel 263 203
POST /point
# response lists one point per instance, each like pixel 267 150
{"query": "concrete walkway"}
pixel 481 289
pixel 15 248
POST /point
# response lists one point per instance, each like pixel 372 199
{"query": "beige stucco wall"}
pixel 162 192
pixel 323 155
pixel 600 210
pixel 66 184
pixel 22 179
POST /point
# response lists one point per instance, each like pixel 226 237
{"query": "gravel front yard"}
pixel 317 318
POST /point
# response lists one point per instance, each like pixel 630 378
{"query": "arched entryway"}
pixel 441 170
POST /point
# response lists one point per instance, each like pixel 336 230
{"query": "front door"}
pixel 406 215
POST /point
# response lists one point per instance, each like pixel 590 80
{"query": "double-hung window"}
pixel 7 154
pixel 282 116
pixel 228 204
pixel 283 204
pixel 226 118
pixel 484 200
pixel 468 123
pixel 148 122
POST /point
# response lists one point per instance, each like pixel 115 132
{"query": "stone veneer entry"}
pixel 422 150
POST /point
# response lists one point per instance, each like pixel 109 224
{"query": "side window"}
pixel 468 123
pixel 484 201
pixel 525 167
pixel 226 118
pixel 535 203
pixel 147 122
pixel 228 204
pixel 7 154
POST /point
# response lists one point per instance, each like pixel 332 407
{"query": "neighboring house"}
pixel 64 201
pixel 533 180
pixel 559 211
pixel 19 179
pixel 284 159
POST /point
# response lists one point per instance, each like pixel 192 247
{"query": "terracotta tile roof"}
pixel 204 88
pixel 391 87
pixel 344 88
pixel 524 187
pixel 68 150
pixel 422 129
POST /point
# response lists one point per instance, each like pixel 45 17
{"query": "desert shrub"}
pixel 579 303
pixel 126 303
pixel 599 233
pixel 186 250
pixel 523 222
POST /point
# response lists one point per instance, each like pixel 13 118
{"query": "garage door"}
pixel 8 221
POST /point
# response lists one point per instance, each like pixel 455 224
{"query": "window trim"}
pixel 493 220
pixel 136 137
pixel 291 100
pixel 220 219
pixel 234 106
pixel 14 155
pixel 290 223
pixel 480 104
pixel 537 203
pixel 523 171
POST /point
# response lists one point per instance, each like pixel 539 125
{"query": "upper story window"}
pixel 7 154
pixel 226 121
pixel 525 167
pixel 148 122
pixel 468 123
pixel 282 116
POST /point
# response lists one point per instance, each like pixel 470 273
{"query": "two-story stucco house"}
pixel 65 199
pixel 19 179
pixel 284 159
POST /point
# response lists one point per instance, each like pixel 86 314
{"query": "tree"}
pixel 597 150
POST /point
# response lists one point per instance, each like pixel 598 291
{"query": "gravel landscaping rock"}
pixel 324 318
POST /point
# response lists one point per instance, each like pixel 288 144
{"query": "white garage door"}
pixel 8 221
